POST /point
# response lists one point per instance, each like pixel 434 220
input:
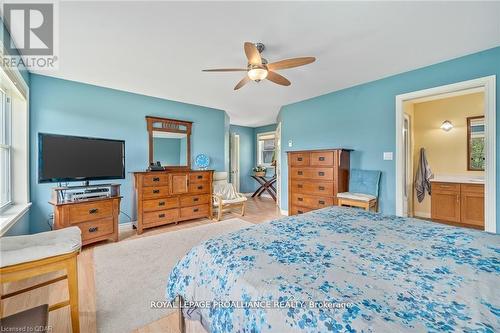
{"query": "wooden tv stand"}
pixel 97 218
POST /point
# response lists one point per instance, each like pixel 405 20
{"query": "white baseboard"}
pixel 125 226
pixel 284 212
pixel 425 215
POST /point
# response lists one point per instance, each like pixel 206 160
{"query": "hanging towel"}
pixel 423 176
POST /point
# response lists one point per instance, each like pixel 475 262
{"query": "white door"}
pixel 407 168
pixel 277 155
pixel 235 161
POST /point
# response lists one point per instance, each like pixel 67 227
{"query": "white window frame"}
pixel 5 144
pixel 259 152
pixel 14 86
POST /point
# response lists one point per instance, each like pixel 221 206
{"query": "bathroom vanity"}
pixel 459 200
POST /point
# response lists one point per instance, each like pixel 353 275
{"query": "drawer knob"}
pixel 321 158
pixel 195 210
pixel 161 203
pixel 321 188
pixel 200 187
pixel 199 177
pixel 156 179
pixel 321 202
pixel 161 215
pixel 299 159
pixel 299 172
pixel 93 229
pixel 156 191
pixel 299 186
pixel 321 173
pixel 196 199
pixel 300 212
pixel 300 199
pixel 93 211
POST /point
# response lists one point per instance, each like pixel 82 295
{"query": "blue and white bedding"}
pixel 362 271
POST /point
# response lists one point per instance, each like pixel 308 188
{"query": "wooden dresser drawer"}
pixel 161 217
pixel 199 187
pixel 194 211
pixel 322 158
pixel 154 192
pixel 160 204
pixel 299 159
pixel 439 187
pixel 323 188
pixel 192 200
pixel 311 201
pixel 312 173
pixel 90 211
pixel 472 188
pixel 196 177
pixel 155 180
pixel 296 210
pixel 98 228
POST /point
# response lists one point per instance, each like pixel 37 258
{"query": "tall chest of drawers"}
pixel 315 177
pixel 165 197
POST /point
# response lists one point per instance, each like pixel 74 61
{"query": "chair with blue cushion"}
pixel 363 190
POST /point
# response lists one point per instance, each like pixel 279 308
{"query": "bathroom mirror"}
pixel 475 144
pixel 169 142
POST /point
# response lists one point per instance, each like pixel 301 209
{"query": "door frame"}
pixel 488 83
pixel 235 153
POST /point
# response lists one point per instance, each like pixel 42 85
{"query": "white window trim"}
pixel 267 165
pixel 12 213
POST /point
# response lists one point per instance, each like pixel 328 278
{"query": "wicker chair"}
pixel 225 196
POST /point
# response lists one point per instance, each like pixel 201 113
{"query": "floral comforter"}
pixel 344 270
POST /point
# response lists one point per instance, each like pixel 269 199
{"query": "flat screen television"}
pixel 63 158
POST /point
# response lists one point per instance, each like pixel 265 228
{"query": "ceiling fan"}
pixel 259 69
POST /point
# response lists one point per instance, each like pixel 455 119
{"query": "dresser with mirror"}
pixel 170 191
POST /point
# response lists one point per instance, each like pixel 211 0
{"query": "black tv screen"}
pixel 64 158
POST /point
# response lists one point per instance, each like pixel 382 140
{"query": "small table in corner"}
pixel 266 184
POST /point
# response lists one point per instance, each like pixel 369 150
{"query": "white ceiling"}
pixel 160 48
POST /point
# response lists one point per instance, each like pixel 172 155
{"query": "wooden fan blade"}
pixel 253 55
pixel 225 70
pixel 290 63
pixel 276 78
pixel 243 81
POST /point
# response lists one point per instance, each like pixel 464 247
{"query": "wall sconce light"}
pixel 446 125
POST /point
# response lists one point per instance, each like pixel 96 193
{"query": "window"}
pixel 5 150
pixel 265 148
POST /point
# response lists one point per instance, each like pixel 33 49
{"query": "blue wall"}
pixel 363 118
pixel 67 107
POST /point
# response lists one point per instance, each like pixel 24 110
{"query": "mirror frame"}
pixel 172 126
pixel 469 119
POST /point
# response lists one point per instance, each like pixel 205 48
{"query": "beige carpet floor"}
pixel 132 273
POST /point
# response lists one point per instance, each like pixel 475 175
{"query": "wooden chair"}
pixel 363 190
pixel 225 196
pixel 24 257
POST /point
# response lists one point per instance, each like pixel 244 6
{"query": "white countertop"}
pixel 458 179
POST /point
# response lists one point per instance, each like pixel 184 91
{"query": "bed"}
pixel 343 270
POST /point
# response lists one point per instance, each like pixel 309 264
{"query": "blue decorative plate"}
pixel 202 161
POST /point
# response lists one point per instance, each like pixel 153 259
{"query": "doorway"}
pixel 277 154
pixel 404 135
pixel 235 161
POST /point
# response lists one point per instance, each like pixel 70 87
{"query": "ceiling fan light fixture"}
pixel 257 74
